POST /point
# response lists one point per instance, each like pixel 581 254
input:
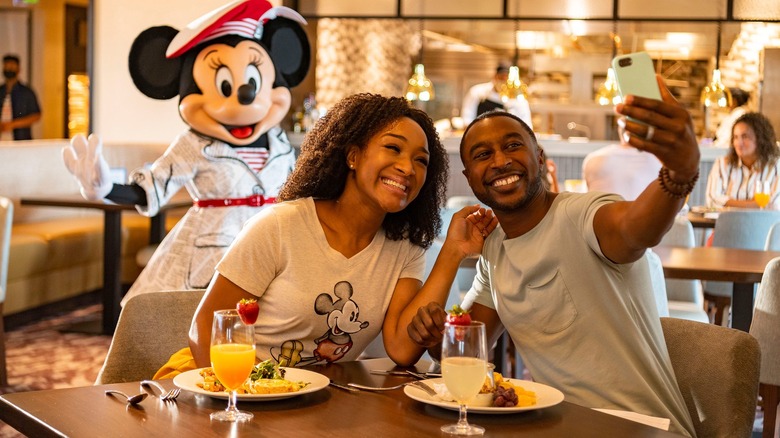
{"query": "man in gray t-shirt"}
pixel 566 274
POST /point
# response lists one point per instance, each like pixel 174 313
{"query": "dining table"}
pixel 743 267
pixel 112 292
pixel 699 220
pixel 329 412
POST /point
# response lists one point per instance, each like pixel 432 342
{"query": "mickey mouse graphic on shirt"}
pixel 343 320
pixel 232 70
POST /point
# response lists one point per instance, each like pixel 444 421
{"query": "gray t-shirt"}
pixel 581 323
pixel 316 305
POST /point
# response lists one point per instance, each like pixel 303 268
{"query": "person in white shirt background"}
pixel 620 168
pixel 484 97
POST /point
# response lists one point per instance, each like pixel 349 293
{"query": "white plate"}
pixel 188 381
pixel 546 396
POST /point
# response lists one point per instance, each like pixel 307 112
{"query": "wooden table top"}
pixel 330 412
pixel 76 201
pixel 714 263
pixel 699 221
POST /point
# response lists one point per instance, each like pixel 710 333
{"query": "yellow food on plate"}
pixel 276 385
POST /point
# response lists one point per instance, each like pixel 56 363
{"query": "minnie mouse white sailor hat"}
pixel 241 17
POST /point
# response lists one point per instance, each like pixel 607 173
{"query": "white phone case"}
pixel 635 75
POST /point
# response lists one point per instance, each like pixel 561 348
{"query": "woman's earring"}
pixel 351 166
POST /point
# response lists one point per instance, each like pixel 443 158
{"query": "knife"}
pixel 405 373
pixel 343 387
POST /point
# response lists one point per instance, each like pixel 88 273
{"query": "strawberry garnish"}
pixel 248 310
pixel 458 316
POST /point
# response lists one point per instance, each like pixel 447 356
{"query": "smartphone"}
pixel 635 75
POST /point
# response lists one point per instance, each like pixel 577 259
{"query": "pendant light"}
pixel 607 94
pixel 419 87
pixel 514 88
pixel 715 94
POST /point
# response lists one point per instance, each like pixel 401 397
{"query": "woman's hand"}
pixel 469 228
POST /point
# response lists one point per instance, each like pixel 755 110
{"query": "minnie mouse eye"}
pixel 253 78
pixel 224 81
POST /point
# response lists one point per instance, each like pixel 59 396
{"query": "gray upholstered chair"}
pixel 766 328
pixel 717 370
pixel 6 219
pixel 746 229
pixel 151 327
pixel 685 297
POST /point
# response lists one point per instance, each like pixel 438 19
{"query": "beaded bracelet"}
pixel 675 189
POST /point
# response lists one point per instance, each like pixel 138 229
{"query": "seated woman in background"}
pixel 752 157
pixel 342 258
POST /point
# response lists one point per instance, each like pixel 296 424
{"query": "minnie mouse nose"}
pixel 246 94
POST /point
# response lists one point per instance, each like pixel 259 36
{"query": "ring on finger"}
pixel 650 133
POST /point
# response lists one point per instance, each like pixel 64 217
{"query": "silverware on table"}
pixel 132 400
pixel 425 375
pixel 342 387
pixel 164 395
pixel 416 384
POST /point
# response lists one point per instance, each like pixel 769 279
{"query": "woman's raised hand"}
pixel 469 228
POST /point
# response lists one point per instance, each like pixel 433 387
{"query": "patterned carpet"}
pixel 39 356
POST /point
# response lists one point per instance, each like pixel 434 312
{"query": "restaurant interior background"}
pixel 74 54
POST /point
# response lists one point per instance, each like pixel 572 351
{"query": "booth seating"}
pixel 57 253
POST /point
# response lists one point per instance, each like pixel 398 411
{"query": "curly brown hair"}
pixel 321 170
pixel 766 142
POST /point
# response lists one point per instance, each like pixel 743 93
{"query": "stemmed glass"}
pixel 464 367
pixel 232 358
pixel 762 194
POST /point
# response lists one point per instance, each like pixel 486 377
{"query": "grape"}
pixel 504 397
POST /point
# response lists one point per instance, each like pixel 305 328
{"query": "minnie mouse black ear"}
pixel 155 75
pixel 289 47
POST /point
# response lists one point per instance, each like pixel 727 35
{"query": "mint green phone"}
pixel 635 75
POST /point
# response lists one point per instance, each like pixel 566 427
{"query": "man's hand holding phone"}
pixel 662 127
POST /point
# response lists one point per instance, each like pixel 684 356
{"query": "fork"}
pixel 164 395
pixel 416 384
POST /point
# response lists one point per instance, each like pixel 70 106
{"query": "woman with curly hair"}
pixel 752 157
pixel 341 258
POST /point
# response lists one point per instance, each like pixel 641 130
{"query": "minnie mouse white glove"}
pixel 84 159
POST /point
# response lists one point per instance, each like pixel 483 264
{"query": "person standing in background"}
pixel 739 100
pixel 484 97
pixel 18 104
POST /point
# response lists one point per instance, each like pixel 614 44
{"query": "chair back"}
pixel 766 323
pixel 151 327
pixel 658 283
pixel 717 371
pixel 6 220
pixel 689 291
pixel 773 239
pixel 745 229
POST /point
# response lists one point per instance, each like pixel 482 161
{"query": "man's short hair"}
pixel 498 113
pixel 13 58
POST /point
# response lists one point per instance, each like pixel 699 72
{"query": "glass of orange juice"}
pixel 232 359
pixel 762 193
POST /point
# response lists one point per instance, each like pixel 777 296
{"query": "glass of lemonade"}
pixel 232 359
pixel 762 193
pixel 464 367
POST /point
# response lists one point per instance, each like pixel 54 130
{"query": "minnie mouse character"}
pixel 232 69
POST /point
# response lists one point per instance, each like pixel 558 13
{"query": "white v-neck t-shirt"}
pixel 316 305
